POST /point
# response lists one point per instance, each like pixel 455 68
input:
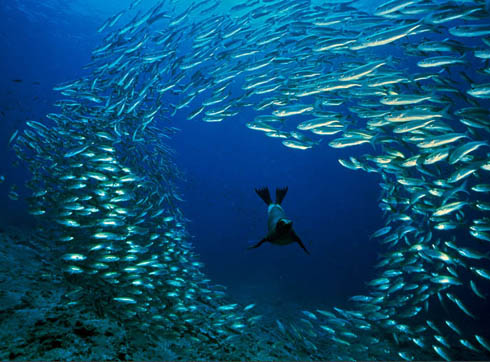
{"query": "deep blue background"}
pixel 334 209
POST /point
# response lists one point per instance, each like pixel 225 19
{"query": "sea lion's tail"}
pixel 280 194
pixel 264 195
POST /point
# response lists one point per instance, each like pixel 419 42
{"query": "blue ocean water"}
pixel 334 210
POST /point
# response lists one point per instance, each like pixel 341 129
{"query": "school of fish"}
pixel 405 86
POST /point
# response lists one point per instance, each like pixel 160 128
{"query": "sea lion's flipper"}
pixel 258 244
pixel 280 194
pixel 264 195
pixel 298 240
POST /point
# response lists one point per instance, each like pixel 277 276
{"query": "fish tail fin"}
pixel 446 112
pixel 280 194
pixel 373 141
pixel 264 195
pixel 389 61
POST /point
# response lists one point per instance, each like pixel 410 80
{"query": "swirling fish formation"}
pixel 308 71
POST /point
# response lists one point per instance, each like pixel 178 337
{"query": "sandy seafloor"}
pixel 35 323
